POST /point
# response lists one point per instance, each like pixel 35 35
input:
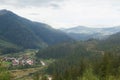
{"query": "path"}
pixel 43 64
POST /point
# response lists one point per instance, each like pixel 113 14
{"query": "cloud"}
pixel 26 3
pixel 67 13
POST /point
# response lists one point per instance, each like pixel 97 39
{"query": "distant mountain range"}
pixel 85 33
pixel 21 32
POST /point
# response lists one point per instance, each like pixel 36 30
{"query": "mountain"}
pixel 85 33
pixel 28 34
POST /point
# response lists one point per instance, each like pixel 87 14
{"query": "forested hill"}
pixel 90 60
pixel 111 44
pixel 28 34
pixel 64 50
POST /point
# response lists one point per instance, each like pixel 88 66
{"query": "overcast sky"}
pixel 67 13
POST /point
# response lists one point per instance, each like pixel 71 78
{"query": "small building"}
pixel 30 62
pixel 15 62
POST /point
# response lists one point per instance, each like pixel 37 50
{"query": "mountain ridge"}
pixel 28 34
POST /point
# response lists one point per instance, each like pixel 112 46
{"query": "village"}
pixel 19 61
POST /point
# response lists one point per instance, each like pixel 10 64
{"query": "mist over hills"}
pixel 85 33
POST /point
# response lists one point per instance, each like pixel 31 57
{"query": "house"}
pixel 15 62
pixel 22 62
pixel 30 62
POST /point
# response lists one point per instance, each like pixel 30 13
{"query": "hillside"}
pixel 67 49
pixel 28 34
pixel 84 60
pixel 7 47
pixel 111 44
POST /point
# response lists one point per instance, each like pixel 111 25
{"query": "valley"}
pixel 32 50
